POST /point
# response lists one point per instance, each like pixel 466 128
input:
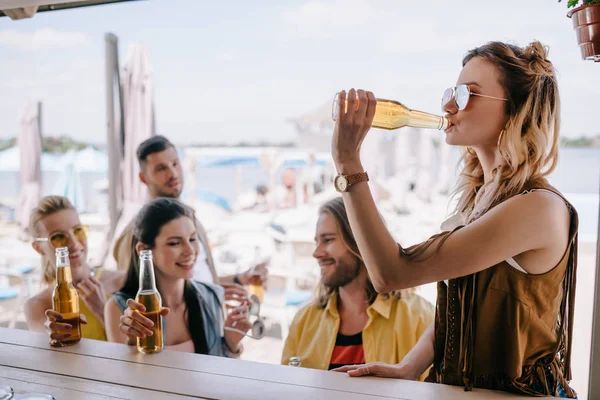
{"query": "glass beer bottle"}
pixel 255 285
pixel 149 297
pixel 256 288
pixel 65 299
pixel 390 114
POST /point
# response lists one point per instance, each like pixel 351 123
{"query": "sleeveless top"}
pixel 502 329
pixel 211 299
pixel 94 329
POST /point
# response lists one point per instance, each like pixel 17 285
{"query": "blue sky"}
pixel 234 71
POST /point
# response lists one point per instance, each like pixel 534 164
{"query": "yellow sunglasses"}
pixel 61 239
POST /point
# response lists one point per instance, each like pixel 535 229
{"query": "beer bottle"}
pixel 390 114
pixel 65 299
pixel 149 297
pixel 255 285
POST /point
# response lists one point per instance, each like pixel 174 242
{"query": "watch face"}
pixel 341 183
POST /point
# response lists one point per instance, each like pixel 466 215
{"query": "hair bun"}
pixel 537 55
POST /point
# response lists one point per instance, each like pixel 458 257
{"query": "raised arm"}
pixel 538 221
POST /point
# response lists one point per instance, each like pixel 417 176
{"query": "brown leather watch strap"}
pixel 357 178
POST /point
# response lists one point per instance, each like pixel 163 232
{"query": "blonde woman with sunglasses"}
pixel 55 223
pixel 506 260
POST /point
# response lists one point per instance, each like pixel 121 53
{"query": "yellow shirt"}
pixel 393 328
pixel 94 328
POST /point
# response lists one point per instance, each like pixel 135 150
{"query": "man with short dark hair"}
pixel 161 172
pixel 160 169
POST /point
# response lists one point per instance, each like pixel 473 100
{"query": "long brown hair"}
pixel 48 205
pixel 529 142
pixel 147 226
pixel 337 210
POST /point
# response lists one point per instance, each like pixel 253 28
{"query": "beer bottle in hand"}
pixel 149 297
pixel 65 299
pixel 390 114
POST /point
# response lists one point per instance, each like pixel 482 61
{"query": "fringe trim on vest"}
pixel 535 376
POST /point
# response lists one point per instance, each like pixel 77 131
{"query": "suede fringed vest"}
pixel 503 329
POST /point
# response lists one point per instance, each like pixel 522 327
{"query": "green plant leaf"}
pixel 573 3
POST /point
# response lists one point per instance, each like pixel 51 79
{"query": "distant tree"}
pixel 7 143
pixel 582 141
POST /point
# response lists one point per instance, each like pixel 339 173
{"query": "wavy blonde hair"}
pixel 529 142
pixel 337 210
pixel 48 205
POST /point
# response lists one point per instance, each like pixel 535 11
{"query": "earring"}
pixel 500 137
pixel 49 272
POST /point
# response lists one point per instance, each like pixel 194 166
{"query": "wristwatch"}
pixel 343 182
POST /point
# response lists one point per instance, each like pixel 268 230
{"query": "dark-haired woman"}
pixel 193 311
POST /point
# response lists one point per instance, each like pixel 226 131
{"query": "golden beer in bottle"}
pixel 65 299
pixel 255 285
pixel 149 297
pixel 390 114
pixel 256 288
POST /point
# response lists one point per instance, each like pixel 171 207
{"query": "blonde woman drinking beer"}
pixel 193 311
pixel 55 223
pixel 506 261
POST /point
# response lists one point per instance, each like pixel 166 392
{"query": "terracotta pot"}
pixel 586 21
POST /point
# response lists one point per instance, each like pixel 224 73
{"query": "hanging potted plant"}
pixel 586 22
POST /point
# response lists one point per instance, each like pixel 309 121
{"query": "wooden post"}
pixel 594 377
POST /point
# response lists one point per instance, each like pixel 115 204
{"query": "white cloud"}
pixel 321 18
pixel 226 56
pixel 392 29
pixel 72 93
pixel 41 39
pixel 384 28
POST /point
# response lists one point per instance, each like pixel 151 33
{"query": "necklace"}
pixel 176 306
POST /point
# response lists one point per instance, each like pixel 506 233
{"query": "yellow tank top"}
pixel 94 328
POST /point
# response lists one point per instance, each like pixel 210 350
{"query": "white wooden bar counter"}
pixel 97 370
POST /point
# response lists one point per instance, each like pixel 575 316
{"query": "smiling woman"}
pixel 55 223
pixel 195 319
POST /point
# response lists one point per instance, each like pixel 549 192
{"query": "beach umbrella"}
pixel 29 141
